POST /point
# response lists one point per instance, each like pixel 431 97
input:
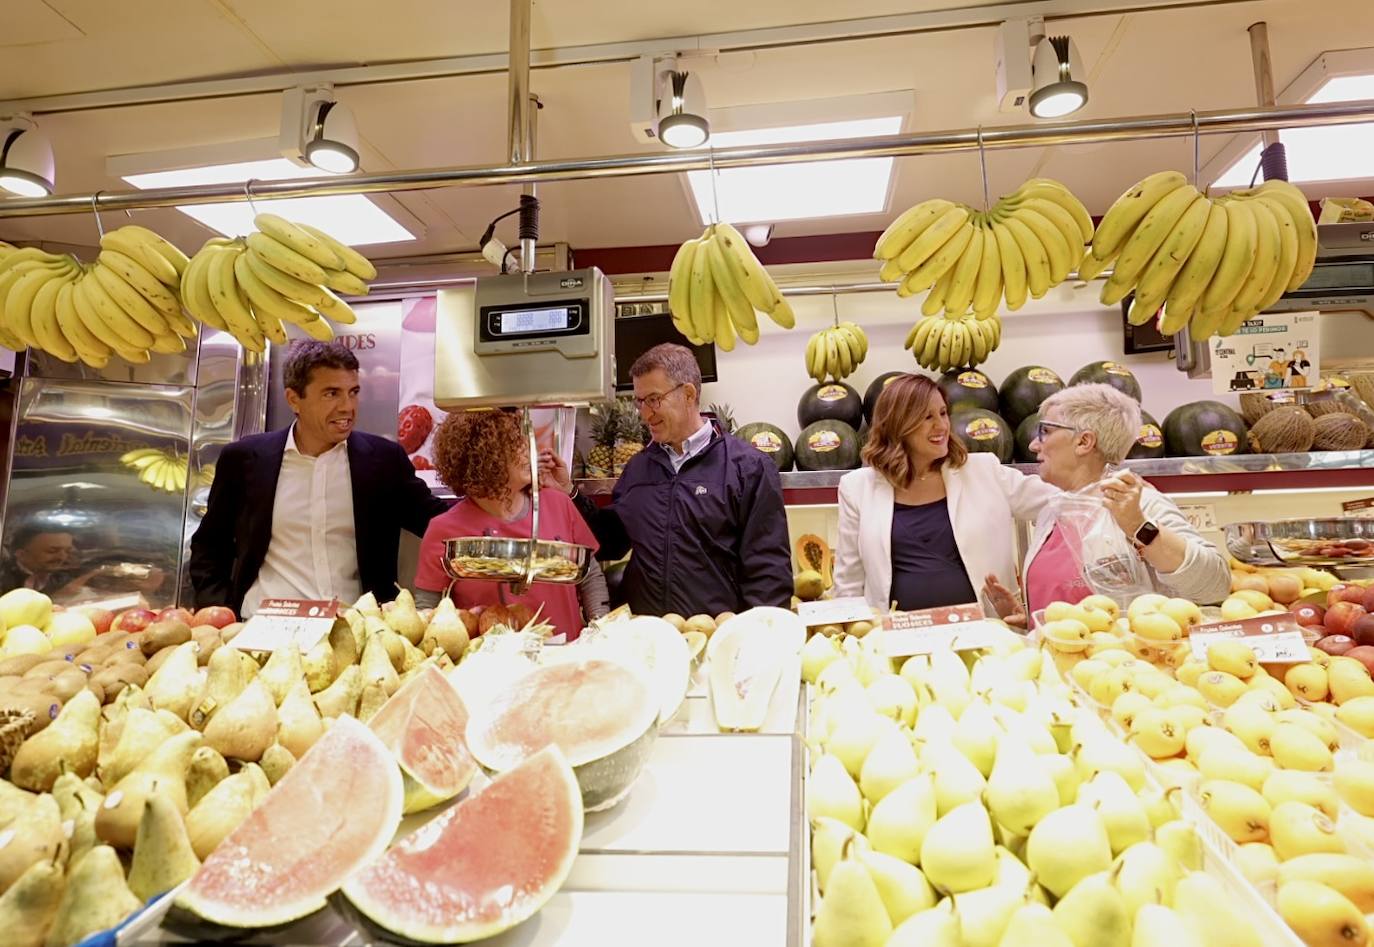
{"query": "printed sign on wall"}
pixel 1274 350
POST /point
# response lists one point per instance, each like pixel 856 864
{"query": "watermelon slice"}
pixel 602 714
pixel 332 813
pixel 423 726
pixel 651 644
pixel 482 866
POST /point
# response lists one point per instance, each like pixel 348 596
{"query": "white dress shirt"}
pixel 313 553
pixel 693 445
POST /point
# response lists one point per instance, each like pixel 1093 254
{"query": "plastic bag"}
pixel 1106 557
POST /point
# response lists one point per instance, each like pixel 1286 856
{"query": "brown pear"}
pixel 447 631
pixel 318 666
pixel 163 857
pixel 34 835
pixel 224 807
pixel 143 732
pixel 373 696
pixel 357 625
pixel 377 666
pixel 13 801
pixel 96 898
pixel 74 795
pixel 403 619
pixel 207 768
pixel 69 744
pixel 246 726
pixel 177 683
pixel 298 722
pixel 281 671
pixel 28 906
pixel 83 837
pixel 117 822
pixel 413 658
pixel 341 697
pixel 276 762
pixel 226 675
pixel 345 646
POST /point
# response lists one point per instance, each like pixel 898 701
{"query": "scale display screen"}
pixel 534 320
pixel 544 324
pixel 1340 275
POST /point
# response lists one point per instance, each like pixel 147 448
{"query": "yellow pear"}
pixel 892 696
pixel 958 853
pixel 829 838
pixel 144 731
pixel 69 744
pixel 1351 876
pixel 1189 671
pixel 1307 681
pixel 1020 791
pixel 976 735
pixel 834 794
pixel 1145 874
pixel 936 927
pixel 1295 747
pixel 1354 783
pixel 95 899
pixel 226 675
pixel 957 781
pixel 1257 862
pixel 163 857
pixel 73 795
pixel 207 768
pixel 1156 733
pixel 35 834
pixel 1220 688
pixel 1348 680
pixel 28 907
pixel 1065 776
pixel 1093 913
pixel 1180 840
pixel 985 914
pixel 1237 609
pixel 402 617
pixel 1033 925
pixel 1066 846
pixel 1295 828
pixel 902 887
pixel 367 606
pixel 1323 728
pixel 899 822
pixel 1239 766
pixel 1201 739
pixel 282 670
pixel 1238 810
pixel 341 697
pixel 1122 813
pixel 223 808
pixel 298 722
pixel 1146 604
pixel 1321 915
pixel 1251 724
pixel 276 762
pixel 1156 627
pixel 1284 785
pixel 1125 707
pixel 1158 926
pixel 165 768
pixel 177 684
pixel 245 726
pixel 1108 753
pixel 1232 656
pixel 377 667
pixel 852 913
pixel 1357 713
pixel 447 631
pixel 317 666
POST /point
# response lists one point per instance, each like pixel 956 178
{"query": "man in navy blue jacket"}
pixel 701 510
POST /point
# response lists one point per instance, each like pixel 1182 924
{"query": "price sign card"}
pixel 958 627
pixel 1275 639
pixel 836 611
pixel 280 621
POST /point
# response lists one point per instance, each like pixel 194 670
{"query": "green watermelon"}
pixel 981 430
pixel 771 440
pixel 827 445
pixel 833 401
pixel 1108 373
pixel 968 386
pixel 1025 433
pixel 1150 442
pixel 875 388
pixel 1024 389
pixel 1203 429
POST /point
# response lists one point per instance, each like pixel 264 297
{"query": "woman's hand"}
pixel 1121 492
pixel 553 473
pixel 1004 602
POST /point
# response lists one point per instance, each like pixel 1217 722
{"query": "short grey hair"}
pixel 306 355
pixel 1111 415
pixel 676 361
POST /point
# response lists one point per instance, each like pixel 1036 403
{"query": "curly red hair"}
pixel 474 450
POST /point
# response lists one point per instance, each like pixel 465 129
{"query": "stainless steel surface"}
pixel 159 369
pixel 1264 72
pixel 1178 124
pixel 507 559
pixel 518 82
pixel 1304 542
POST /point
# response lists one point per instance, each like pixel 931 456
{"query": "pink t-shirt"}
pixel 559 520
pixel 1054 574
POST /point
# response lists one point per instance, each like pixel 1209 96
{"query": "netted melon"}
pixel 1340 432
pixel 1283 430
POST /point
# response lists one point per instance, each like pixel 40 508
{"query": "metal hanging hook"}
pixel 715 197
pixel 835 306
pixel 983 164
pixel 95 210
pixel 248 193
pixel 1197 151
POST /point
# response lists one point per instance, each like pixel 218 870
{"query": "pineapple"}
pixel 603 430
pixel 724 415
pixel 630 434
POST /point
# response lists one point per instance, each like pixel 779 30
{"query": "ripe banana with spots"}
pixel 835 352
pixel 716 287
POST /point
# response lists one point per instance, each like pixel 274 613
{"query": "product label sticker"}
pixel 1362 507
pixel 1220 443
pixel 1275 639
pixel 836 611
pixel 1115 368
pixel 960 627
pixel 833 393
pixel 1150 436
pixel 973 379
pixel 1271 351
pixel 766 441
pixel 823 441
pixel 280 621
pixel 982 429
pixel 1044 376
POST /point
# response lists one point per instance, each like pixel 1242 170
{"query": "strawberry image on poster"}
pixel 412 426
pixel 421 462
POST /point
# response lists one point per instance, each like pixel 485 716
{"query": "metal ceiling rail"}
pixel 1179 124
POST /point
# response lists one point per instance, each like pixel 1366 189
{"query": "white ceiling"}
pixel 1139 63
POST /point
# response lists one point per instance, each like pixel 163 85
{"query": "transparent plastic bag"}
pixel 1106 557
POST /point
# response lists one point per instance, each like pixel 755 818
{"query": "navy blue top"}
pixel 927 570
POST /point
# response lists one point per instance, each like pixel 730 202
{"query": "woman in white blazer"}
pixel 924 523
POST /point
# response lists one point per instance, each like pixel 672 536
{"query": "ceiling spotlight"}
pixel 26 160
pixel 682 119
pixel 1057 89
pixel 760 235
pixel 318 131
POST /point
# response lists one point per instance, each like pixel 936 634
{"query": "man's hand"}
pixel 553 473
pixel 1004 602
pixel 1121 492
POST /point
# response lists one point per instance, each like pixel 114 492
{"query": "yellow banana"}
pixel 1090 267
pixel 987 289
pixel 859 334
pixel 43 321
pixel 1158 275
pixel 933 239
pixel 890 272
pixel 741 311
pixel 680 285
pixel 702 295
pixel 169 344
pixel 318 329
pixel 1202 263
pixel 31 255
pixel 267 301
pixel 960 294
pixel 224 295
pixel 130 335
pixel 725 329
pixel 1130 209
pixel 1056 193
pixel 145 283
pixel 293 288
pixel 195 292
pixel 353 261
pixel 301 241
pixel 1057 251
pixel 134 244
pixel 342 281
pixel 336 310
pixel 1267 251
pixel 1014 274
pixel 1156 226
pixel 88 347
pixel 266 318
pixel 782 313
pixel 753 279
pixel 1301 215
pixel 1033 252
pixel 924 276
pixel 908 226
pixel 286 259
pixel 931 351
pixel 1288 252
pixel 1063 221
pixel 161 246
pixel 916 338
pixel 19 301
pixel 92 320
pixel 1236 262
pixel 130 300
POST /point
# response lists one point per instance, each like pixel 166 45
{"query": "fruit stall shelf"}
pixel 1237 474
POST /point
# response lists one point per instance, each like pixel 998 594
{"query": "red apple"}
pixel 1336 644
pixel 1308 613
pixel 1365 655
pixel 1340 618
pixel 217 615
pixel 1363 630
pixel 183 615
pixel 102 618
pixel 1345 593
pixel 1368 599
pixel 134 619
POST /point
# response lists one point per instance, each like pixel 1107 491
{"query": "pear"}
pixel 411 657
pixel 1320 915
pixel 246 726
pixel 318 666
pixel 177 684
pixel 344 645
pixel 1066 846
pixel 207 768
pixel 223 808
pixel 298 722
pixel 976 735
pixel 1257 862
pixel 1211 910
pixel 371 700
pixel 1158 926
pixel 28 906
pixel 819 652
pixel 356 627
pixel 282 671
pixel 891 763
pixel 1020 791
pixel 1316 790
pixel 1094 914
pixel 1064 774
pixel 828 840
pixel 957 853
pixel 1120 809
pixel 1108 753
pixel 1296 747
pixel 96 898
pixel 1181 841
pixel 1295 829
pixel 367 606
pixel 1348 874
pixel 902 887
pixel 276 762
pixel 1252 724
pixel 34 835
pixel 1239 811
pixel 1236 765
pixel 341 697
pixel 893 697
pixel 376 665
pixel 852 913
pixel 1145 874
pixel 985 914
pixel 227 674
pixel 899 822
pixel 936 927
pixel 74 796
pixel 144 731
pixel 1348 681
pixel 834 795
pixel 447 632
pixel 1033 925
pixel 403 619
pixel 957 781
pixel 163 857
pixel 1011 871
pixel 934 724
pixel 69 743
pixel 117 822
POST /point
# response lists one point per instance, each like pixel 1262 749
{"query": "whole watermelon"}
pixel 968 386
pixel 1025 434
pixel 1149 443
pixel 875 388
pixel 1204 429
pixel 771 440
pixel 1108 373
pixel 827 445
pixel 1023 391
pixel 833 401
pixel 983 431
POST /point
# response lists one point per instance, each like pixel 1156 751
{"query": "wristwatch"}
pixel 1147 534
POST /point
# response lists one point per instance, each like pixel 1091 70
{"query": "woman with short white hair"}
pixel 1083 430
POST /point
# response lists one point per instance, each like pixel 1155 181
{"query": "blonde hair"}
pixel 902 406
pixel 1112 417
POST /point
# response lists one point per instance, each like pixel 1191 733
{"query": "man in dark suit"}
pixel 314 511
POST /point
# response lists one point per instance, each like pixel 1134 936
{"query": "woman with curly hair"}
pixel 484 459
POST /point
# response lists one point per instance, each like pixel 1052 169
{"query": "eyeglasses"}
pixel 1043 429
pixel 654 402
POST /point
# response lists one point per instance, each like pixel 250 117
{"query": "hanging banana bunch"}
pixel 716 286
pixel 942 344
pixel 158 468
pixel 835 352
pixel 281 274
pixel 1211 264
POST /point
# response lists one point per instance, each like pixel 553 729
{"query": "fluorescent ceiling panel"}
pixel 350 218
pixel 1332 153
pixel 797 191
